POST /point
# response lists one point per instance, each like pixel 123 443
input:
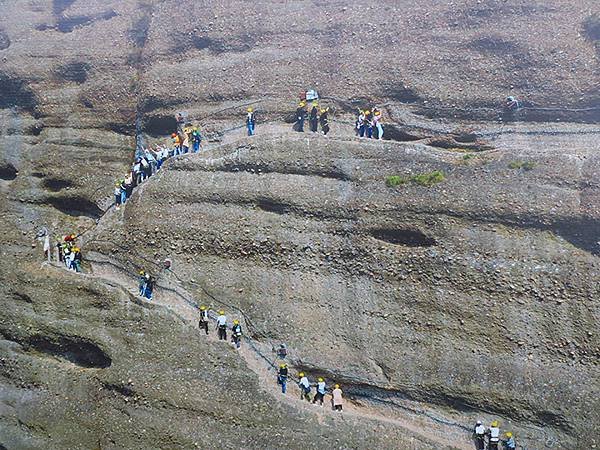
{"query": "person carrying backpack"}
pixel 236 333
pixel 304 386
pixel 282 377
pixel 222 326
pixel 250 122
pixel 203 322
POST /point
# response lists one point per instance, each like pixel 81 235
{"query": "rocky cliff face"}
pixel 473 297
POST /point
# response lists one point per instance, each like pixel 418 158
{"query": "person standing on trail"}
pixel 509 442
pixel 304 386
pixel 324 121
pixel 59 251
pixel 142 283
pixel 493 433
pixel 368 124
pixel 47 247
pixel 479 436
pixel 186 143
pixel 77 259
pixel 300 117
pixel 337 399
pixel 360 123
pixel 282 377
pixel 250 122
pixel 117 195
pixel 149 286
pixel 203 322
pixel 321 389
pixel 377 123
pixel 313 119
pixel 236 333
pixel 196 139
pixel 222 326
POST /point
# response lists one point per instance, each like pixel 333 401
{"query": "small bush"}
pixel 468 156
pixel 525 165
pixel 395 180
pixel 423 179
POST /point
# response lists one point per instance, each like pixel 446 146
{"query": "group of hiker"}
pixel 306 387
pixel 69 253
pixel 491 436
pixel 318 116
pixel 368 124
pixel 221 326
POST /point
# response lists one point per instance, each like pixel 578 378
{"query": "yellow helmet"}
pixel 337 386
pixel 195 128
pixel 249 110
pixel 508 434
pixel 302 104
pixel 315 103
pixel 235 322
pixel 203 308
pixel 495 423
pixel 301 374
pixel 320 380
pixel 141 272
pixel 221 312
pixel 282 365
pixel 323 110
pixel 377 113
pixel 367 112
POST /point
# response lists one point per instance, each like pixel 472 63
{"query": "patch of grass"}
pixel 395 180
pixel 423 179
pixel 525 165
pixel 468 156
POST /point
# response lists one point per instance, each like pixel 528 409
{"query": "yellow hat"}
pixel 302 104
pixel 367 112
pixel 141 272
pixel 315 103
pixel 221 312
pixel 249 110
pixel 202 308
pixel 337 386
pixel 495 423
pixel 235 322
pixel 282 365
pixel 508 434
pixel 301 374
pixel 377 113
pixel 323 110
pixel 320 380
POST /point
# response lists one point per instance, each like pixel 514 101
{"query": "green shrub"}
pixel 468 156
pixel 422 179
pixel 525 165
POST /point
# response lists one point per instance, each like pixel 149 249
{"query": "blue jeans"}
pixel 118 199
pixel 361 131
pixel 196 147
pixel 250 127
pixel 370 132
pixel 123 197
pixel 379 131
pixel 283 382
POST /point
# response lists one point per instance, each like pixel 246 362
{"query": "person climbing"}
pixel 222 326
pixel 282 351
pixel 377 123
pixel 479 435
pixel 509 442
pixel 236 333
pixel 320 394
pixel 77 259
pixel 203 322
pixel 337 399
pixel 282 377
pixel 493 433
pixel 304 386
pixel 142 283
pixel 300 117
pixel 250 122
pixel 196 139
pixel 180 121
pixel 175 142
pixel 360 123
pixel 186 143
pixel 313 119
pixel 368 124
pixel 324 121
pixel 149 287
pixel 117 195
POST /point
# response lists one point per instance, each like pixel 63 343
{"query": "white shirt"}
pixel 494 434
pixel 304 382
pixel 222 320
pixel 479 429
pixel 321 387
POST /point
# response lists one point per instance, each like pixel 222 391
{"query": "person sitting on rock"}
pixel 320 394
pixel 203 322
pixel 236 333
pixel 304 386
pixel 222 326
pixel 337 398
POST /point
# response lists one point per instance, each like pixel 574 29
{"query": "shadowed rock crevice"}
pixel 408 237
pixel 68 24
pixel 395 133
pixel 73 349
pixel 76 206
pixel 159 125
pixel 75 71
pixel 272 206
pixel 8 172
pixel 56 184
pixel 15 92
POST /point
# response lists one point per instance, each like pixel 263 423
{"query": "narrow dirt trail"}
pixel 104 269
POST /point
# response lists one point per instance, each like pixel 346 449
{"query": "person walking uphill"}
pixel 236 333
pixel 250 122
pixel 282 377
pixel 320 395
pixel 304 386
pixel 337 399
pixel 203 321
pixel 493 433
pixel 324 121
pixel 222 326
pixel 196 139
pixel 479 436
